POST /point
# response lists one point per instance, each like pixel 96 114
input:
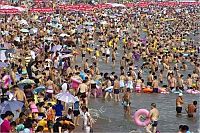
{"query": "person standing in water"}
pixel 155 84
pixel 154 116
pixel 192 109
pixel 126 102
pixel 116 89
pixel 179 103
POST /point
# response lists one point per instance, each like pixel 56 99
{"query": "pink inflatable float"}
pixel 138 88
pixel 75 83
pixel 6 81
pixel 137 116
pixel 191 91
pixel 163 91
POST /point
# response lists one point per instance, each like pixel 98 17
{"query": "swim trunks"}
pixel 116 91
pixel 154 123
pixel 155 90
pixel 178 109
pixel 149 83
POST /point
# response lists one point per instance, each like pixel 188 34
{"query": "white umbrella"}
pixel 116 5
pixel 63 35
pixel 24 30
pixel 17 39
pixel 88 23
pixel 56 48
pixel 33 30
pixel 66 56
pixel 103 22
pixel 66 97
pixel 23 22
pixel 48 38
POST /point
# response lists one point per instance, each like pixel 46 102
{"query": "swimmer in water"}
pixel 154 116
pixel 126 102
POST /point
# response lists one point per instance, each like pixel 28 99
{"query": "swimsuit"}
pixel 155 90
pixel 178 109
pixel 121 82
pixel 130 84
pixel 116 91
pixel 154 123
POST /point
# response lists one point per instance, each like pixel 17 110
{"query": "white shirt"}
pixel 108 51
pixel 85 118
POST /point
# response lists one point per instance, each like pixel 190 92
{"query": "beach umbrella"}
pixel 103 22
pixel 88 23
pixel 24 30
pixel 48 38
pixel 56 48
pixel 10 106
pixel 66 97
pixel 66 56
pixel 33 30
pixel 26 81
pixel 23 22
pixel 3 64
pixel 63 35
pixel 39 89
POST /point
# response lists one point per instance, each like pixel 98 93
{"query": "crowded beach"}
pixel 57 60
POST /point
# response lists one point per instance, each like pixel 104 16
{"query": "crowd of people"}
pixel 111 52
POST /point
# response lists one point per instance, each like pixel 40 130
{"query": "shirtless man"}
pixel 154 116
pixel 180 82
pixel 192 109
pixel 155 85
pixel 179 103
pixel 189 81
pixel 19 95
pixel 83 89
pixel 116 88
pixel 150 79
pixel 172 81
pixel 122 79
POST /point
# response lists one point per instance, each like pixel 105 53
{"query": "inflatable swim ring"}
pixel 137 116
pixel 109 89
pixel 90 49
pixel 176 91
pixel 191 91
pixel 163 91
pixel 75 83
pixel 75 53
pixel 185 55
pixel 147 90
pixel 138 88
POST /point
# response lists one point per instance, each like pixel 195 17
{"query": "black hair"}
pixel 21 114
pixel 13 123
pixel 195 102
pixel 153 105
pixel 39 129
pixel 8 113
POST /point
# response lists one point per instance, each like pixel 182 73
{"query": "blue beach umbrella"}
pixel 10 106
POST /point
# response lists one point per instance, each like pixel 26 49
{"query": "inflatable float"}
pixel 75 83
pixel 162 91
pixel 137 117
pixel 98 91
pixel 90 50
pixel 175 91
pixel 191 91
pixel 109 89
pixel 147 90
pixel 138 88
